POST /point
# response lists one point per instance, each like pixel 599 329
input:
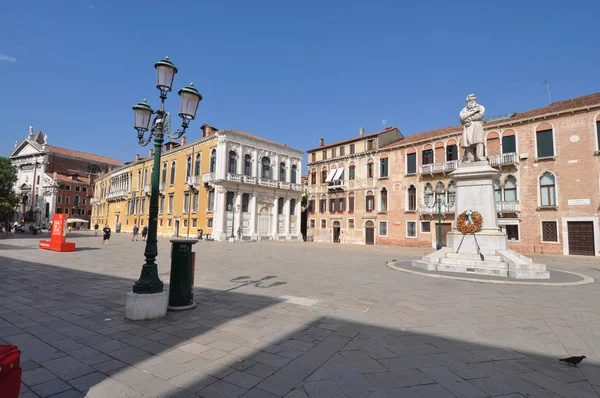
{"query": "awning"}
pixel 330 175
pixel 73 220
pixel 338 174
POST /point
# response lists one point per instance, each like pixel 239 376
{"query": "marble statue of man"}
pixel 473 136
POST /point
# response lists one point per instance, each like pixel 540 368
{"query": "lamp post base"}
pixel 140 307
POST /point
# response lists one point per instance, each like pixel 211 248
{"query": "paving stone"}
pixel 243 379
pixel 193 381
pixel 155 388
pixel 85 383
pixel 297 345
pixel 132 377
pixel 69 394
pixel 194 348
pixel 262 370
pixel 37 376
pixel 179 393
pixel 222 389
pixel 50 388
pixel 68 368
pixel 284 380
pixel 431 391
pixel 398 379
pixel 453 383
pixel 111 388
pixel 89 356
pixel 270 359
pixel 128 354
pixel 348 378
pixel 167 369
pixel 321 352
pixel 323 389
pixel 363 362
pixel 109 366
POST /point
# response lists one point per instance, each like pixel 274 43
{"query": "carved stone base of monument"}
pixel 475 191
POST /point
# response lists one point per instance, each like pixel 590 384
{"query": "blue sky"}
pixel 292 72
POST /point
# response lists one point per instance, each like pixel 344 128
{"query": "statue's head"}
pixel 471 100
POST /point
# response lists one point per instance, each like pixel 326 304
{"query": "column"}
pixel 255 164
pixel 238 215
pixel 275 219
pixel 276 171
pixel 298 231
pixel 253 217
pixel 240 162
pixel 286 211
pixel 222 160
pixel 219 214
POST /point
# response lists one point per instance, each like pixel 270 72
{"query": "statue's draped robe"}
pixel 473 133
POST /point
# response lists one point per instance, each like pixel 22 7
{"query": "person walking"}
pixel 96 229
pixel 106 237
pixel 8 227
pixel 135 233
pixel 239 235
pixel 144 232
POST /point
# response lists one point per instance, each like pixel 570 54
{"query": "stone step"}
pixel 474 256
pixel 473 270
pixel 520 274
pixel 474 263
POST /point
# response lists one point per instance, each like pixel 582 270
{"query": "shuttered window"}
pixel 383 167
pixel 509 144
pixel 411 163
pixel 545 145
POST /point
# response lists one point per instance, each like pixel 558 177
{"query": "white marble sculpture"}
pixel 473 136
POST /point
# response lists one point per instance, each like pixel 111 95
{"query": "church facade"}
pixel 53 180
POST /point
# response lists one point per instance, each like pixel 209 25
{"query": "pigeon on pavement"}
pixel 573 360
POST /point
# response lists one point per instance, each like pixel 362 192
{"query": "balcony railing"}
pixel 441 167
pixel 284 185
pixel 296 187
pixel 194 181
pixel 94 201
pixel 267 183
pixel 503 159
pixel 208 177
pixel 446 209
pixel 507 207
pixel 162 187
pixel 249 179
pixel 117 195
pixel 338 184
pixel 147 189
pixel 234 177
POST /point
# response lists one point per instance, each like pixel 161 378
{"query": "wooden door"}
pixel 445 229
pixel 336 234
pixel 370 235
pixel 581 237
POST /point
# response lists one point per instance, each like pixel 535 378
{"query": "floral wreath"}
pixel 469 222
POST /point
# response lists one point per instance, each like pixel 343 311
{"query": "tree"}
pixel 8 198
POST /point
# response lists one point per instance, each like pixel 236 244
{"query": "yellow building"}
pixel 220 185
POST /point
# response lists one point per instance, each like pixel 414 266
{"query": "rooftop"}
pixel 83 155
pixel 350 140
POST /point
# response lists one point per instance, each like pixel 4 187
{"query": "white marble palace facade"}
pixel 257 185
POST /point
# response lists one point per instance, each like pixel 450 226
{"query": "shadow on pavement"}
pixel 69 325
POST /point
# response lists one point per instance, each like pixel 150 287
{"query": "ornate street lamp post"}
pixel 149 281
pixel 439 202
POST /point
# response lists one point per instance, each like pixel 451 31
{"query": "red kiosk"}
pixel 58 237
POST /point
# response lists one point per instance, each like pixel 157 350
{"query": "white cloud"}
pixel 7 58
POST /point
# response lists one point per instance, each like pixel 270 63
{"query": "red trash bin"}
pixel 10 371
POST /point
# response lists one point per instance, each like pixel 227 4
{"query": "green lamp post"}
pixel 149 281
pixel 440 202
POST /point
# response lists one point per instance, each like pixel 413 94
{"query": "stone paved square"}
pixel 292 320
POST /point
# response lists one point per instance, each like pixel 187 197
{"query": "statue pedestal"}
pixel 485 252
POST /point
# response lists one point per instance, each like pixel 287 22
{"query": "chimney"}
pixel 183 140
pixel 321 142
pixel 362 132
pixel 150 153
pixel 137 157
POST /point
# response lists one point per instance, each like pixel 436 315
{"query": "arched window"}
pixel 351 172
pixel 428 195
pixel 383 200
pixel 294 176
pixel 510 189
pixel 232 164
pixel 213 161
pixel 451 193
pixel 323 175
pixel 76 200
pixel 188 167
pixel 282 171
pixel 497 191
pixel 266 168
pixel 145 176
pixel 197 165
pixel 140 179
pixel 412 198
pixel 164 173
pixel 370 169
pixel 548 189
pixel 172 173
pixel 247 165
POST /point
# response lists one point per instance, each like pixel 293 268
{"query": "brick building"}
pixel 52 180
pixel 547 197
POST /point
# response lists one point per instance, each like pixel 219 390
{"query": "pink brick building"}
pixel 392 190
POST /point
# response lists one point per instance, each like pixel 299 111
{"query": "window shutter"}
pixel 411 163
pixel 509 144
pixel 545 146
